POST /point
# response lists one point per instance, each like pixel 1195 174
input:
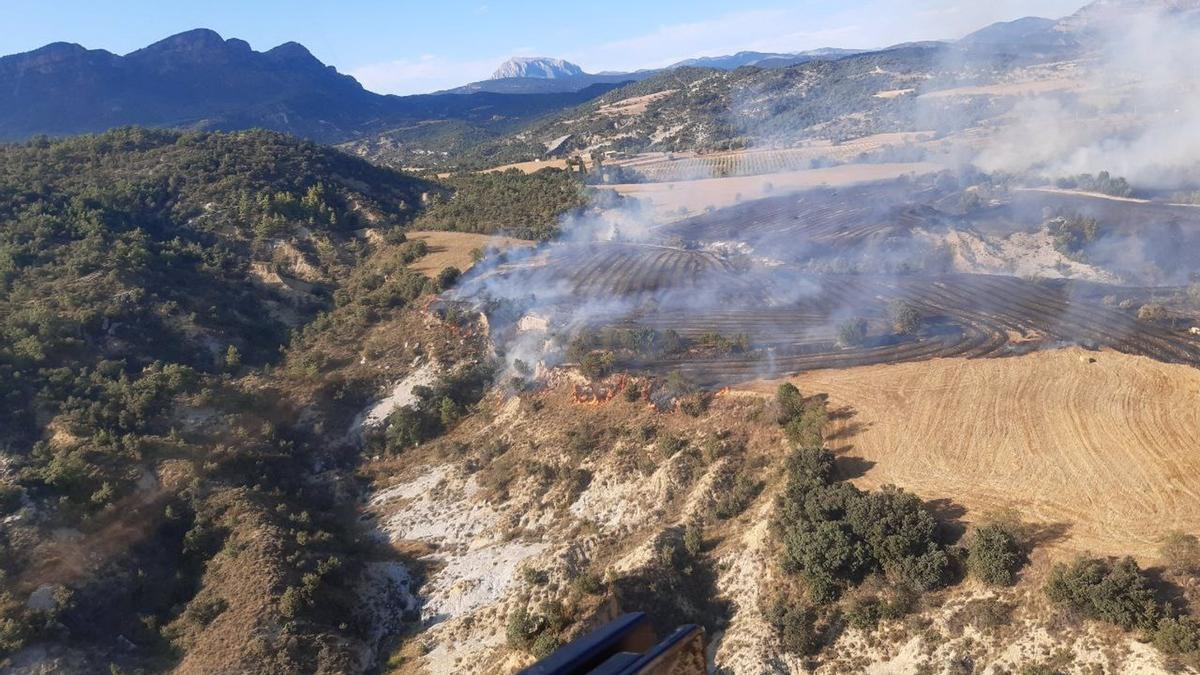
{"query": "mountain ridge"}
pixel 199 80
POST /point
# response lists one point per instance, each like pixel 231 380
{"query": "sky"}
pixel 406 47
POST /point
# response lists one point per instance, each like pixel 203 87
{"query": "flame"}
pixel 597 394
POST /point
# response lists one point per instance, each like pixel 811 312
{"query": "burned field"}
pixel 836 279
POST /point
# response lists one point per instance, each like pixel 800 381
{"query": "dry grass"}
pixel 1010 88
pixel 448 249
pixel 633 106
pixel 667 200
pixel 529 167
pixel 1107 450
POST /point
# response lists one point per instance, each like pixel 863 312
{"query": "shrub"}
pixel 993 556
pixel 693 539
pixel 834 535
pixel 669 444
pixel 906 319
pixel 803 420
pixel 588 583
pixel 520 629
pixel 1178 635
pixel 1180 552
pixel 852 333
pixel 795 627
pixel 544 645
pixel 734 495
pixel 694 405
pixel 595 365
pixel 448 277
pixel 1152 312
pixel 1113 591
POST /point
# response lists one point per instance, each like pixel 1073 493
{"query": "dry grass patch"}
pixel 453 249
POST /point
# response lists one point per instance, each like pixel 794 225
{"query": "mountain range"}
pixel 199 80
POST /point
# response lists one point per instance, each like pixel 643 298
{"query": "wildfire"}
pixel 597 394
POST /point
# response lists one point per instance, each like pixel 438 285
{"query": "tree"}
pixel 993 556
pixel 1152 312
pixel 448 277
pixel 596 364
pixel 1114 591
pixel 1181 552
pixel 906 319
pixel 852 333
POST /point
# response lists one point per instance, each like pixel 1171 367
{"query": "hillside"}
pixel 159 486
pixel 705 109
pixel 198 80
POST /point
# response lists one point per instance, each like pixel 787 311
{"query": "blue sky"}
pixel 410 47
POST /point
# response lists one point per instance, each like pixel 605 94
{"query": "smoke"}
pixel 791 270
pixel 1137 109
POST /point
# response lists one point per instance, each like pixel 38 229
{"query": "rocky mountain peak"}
pixel 538 67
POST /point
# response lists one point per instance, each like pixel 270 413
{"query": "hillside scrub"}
pixel 153 376
pixel 1117 591
pixel 512 203
pixel 993 555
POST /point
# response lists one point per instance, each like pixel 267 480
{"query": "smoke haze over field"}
pixel 1137 114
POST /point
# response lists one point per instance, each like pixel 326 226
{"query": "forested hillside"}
pixel 163 495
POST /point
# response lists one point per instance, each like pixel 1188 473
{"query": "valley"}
pixel 872 360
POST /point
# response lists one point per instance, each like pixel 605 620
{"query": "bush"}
pixel 1178 635
pixel 1152 313
pixel 852 333
pixel 595 365
pixel 796 628
pixel 694 405
pixel 803 420
pixel 734 495
pixel 520 629
pixel 834 535
pixel 906 319
pixel 448 277
pixel 1107 590
pixel 993 556
pixel 669 444
pixel 1180 552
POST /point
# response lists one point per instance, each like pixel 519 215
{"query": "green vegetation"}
pixel 852 332
pixel 803 420
pixel 1115 591
pixel 1072 232
pixel 835 535
pixel 136 284
pixel 906 319
pixel 1120 593
pixel 511 203
pixel 993 555
pixel 1102 183
pixel 436 409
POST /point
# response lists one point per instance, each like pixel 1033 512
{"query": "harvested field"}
pixel 969 316
pixel 527 167
pixel 448 249
pixel 815 217
pixel 1104 453
pixel 671 200
pixel 633 106
pixel 1009 88
pixel 660 167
